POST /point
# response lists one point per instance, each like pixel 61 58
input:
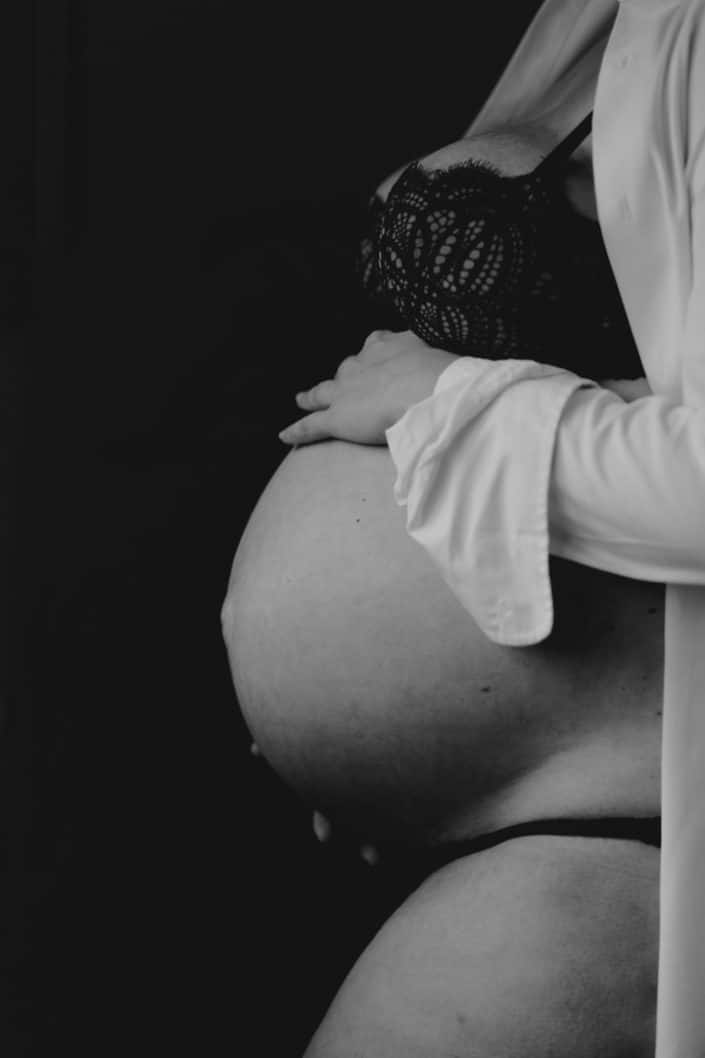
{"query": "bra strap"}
pixel 566 147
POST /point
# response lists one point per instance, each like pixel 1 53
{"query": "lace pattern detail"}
pixel 499 267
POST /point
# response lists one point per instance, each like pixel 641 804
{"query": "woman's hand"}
pixel 370 391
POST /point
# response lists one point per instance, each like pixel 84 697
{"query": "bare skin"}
pixel 542 947
pixel 372 390
pixel 371 691
pixel 514 151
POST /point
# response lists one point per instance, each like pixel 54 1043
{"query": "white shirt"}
pixel 508 461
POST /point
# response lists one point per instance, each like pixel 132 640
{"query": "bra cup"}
pixel 483 264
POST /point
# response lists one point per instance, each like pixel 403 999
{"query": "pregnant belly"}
pixel 373 693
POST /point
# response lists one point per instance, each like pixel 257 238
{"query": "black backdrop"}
pixel 181 194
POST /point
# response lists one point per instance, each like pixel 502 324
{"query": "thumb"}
pixel 314 427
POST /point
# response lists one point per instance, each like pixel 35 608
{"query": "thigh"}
pixel 543 947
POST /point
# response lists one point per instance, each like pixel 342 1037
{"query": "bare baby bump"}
pixel 374 694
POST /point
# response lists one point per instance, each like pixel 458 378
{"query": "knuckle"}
pixel 312 397
pixel 321 393
pixel 347 365
pixel 375 344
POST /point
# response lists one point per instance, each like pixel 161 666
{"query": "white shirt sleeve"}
pixel 506 461
pixel 473 464
pixel 627 493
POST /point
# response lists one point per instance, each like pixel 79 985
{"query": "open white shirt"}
pixel 508 461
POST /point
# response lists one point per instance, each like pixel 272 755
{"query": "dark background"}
pixel 181 192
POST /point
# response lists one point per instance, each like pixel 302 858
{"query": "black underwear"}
pixel 423 862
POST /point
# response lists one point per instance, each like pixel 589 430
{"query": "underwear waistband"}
pixel 646 830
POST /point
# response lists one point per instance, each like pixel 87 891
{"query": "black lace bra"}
pixel 494 266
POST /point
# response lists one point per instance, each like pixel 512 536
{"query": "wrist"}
pixel 459 369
